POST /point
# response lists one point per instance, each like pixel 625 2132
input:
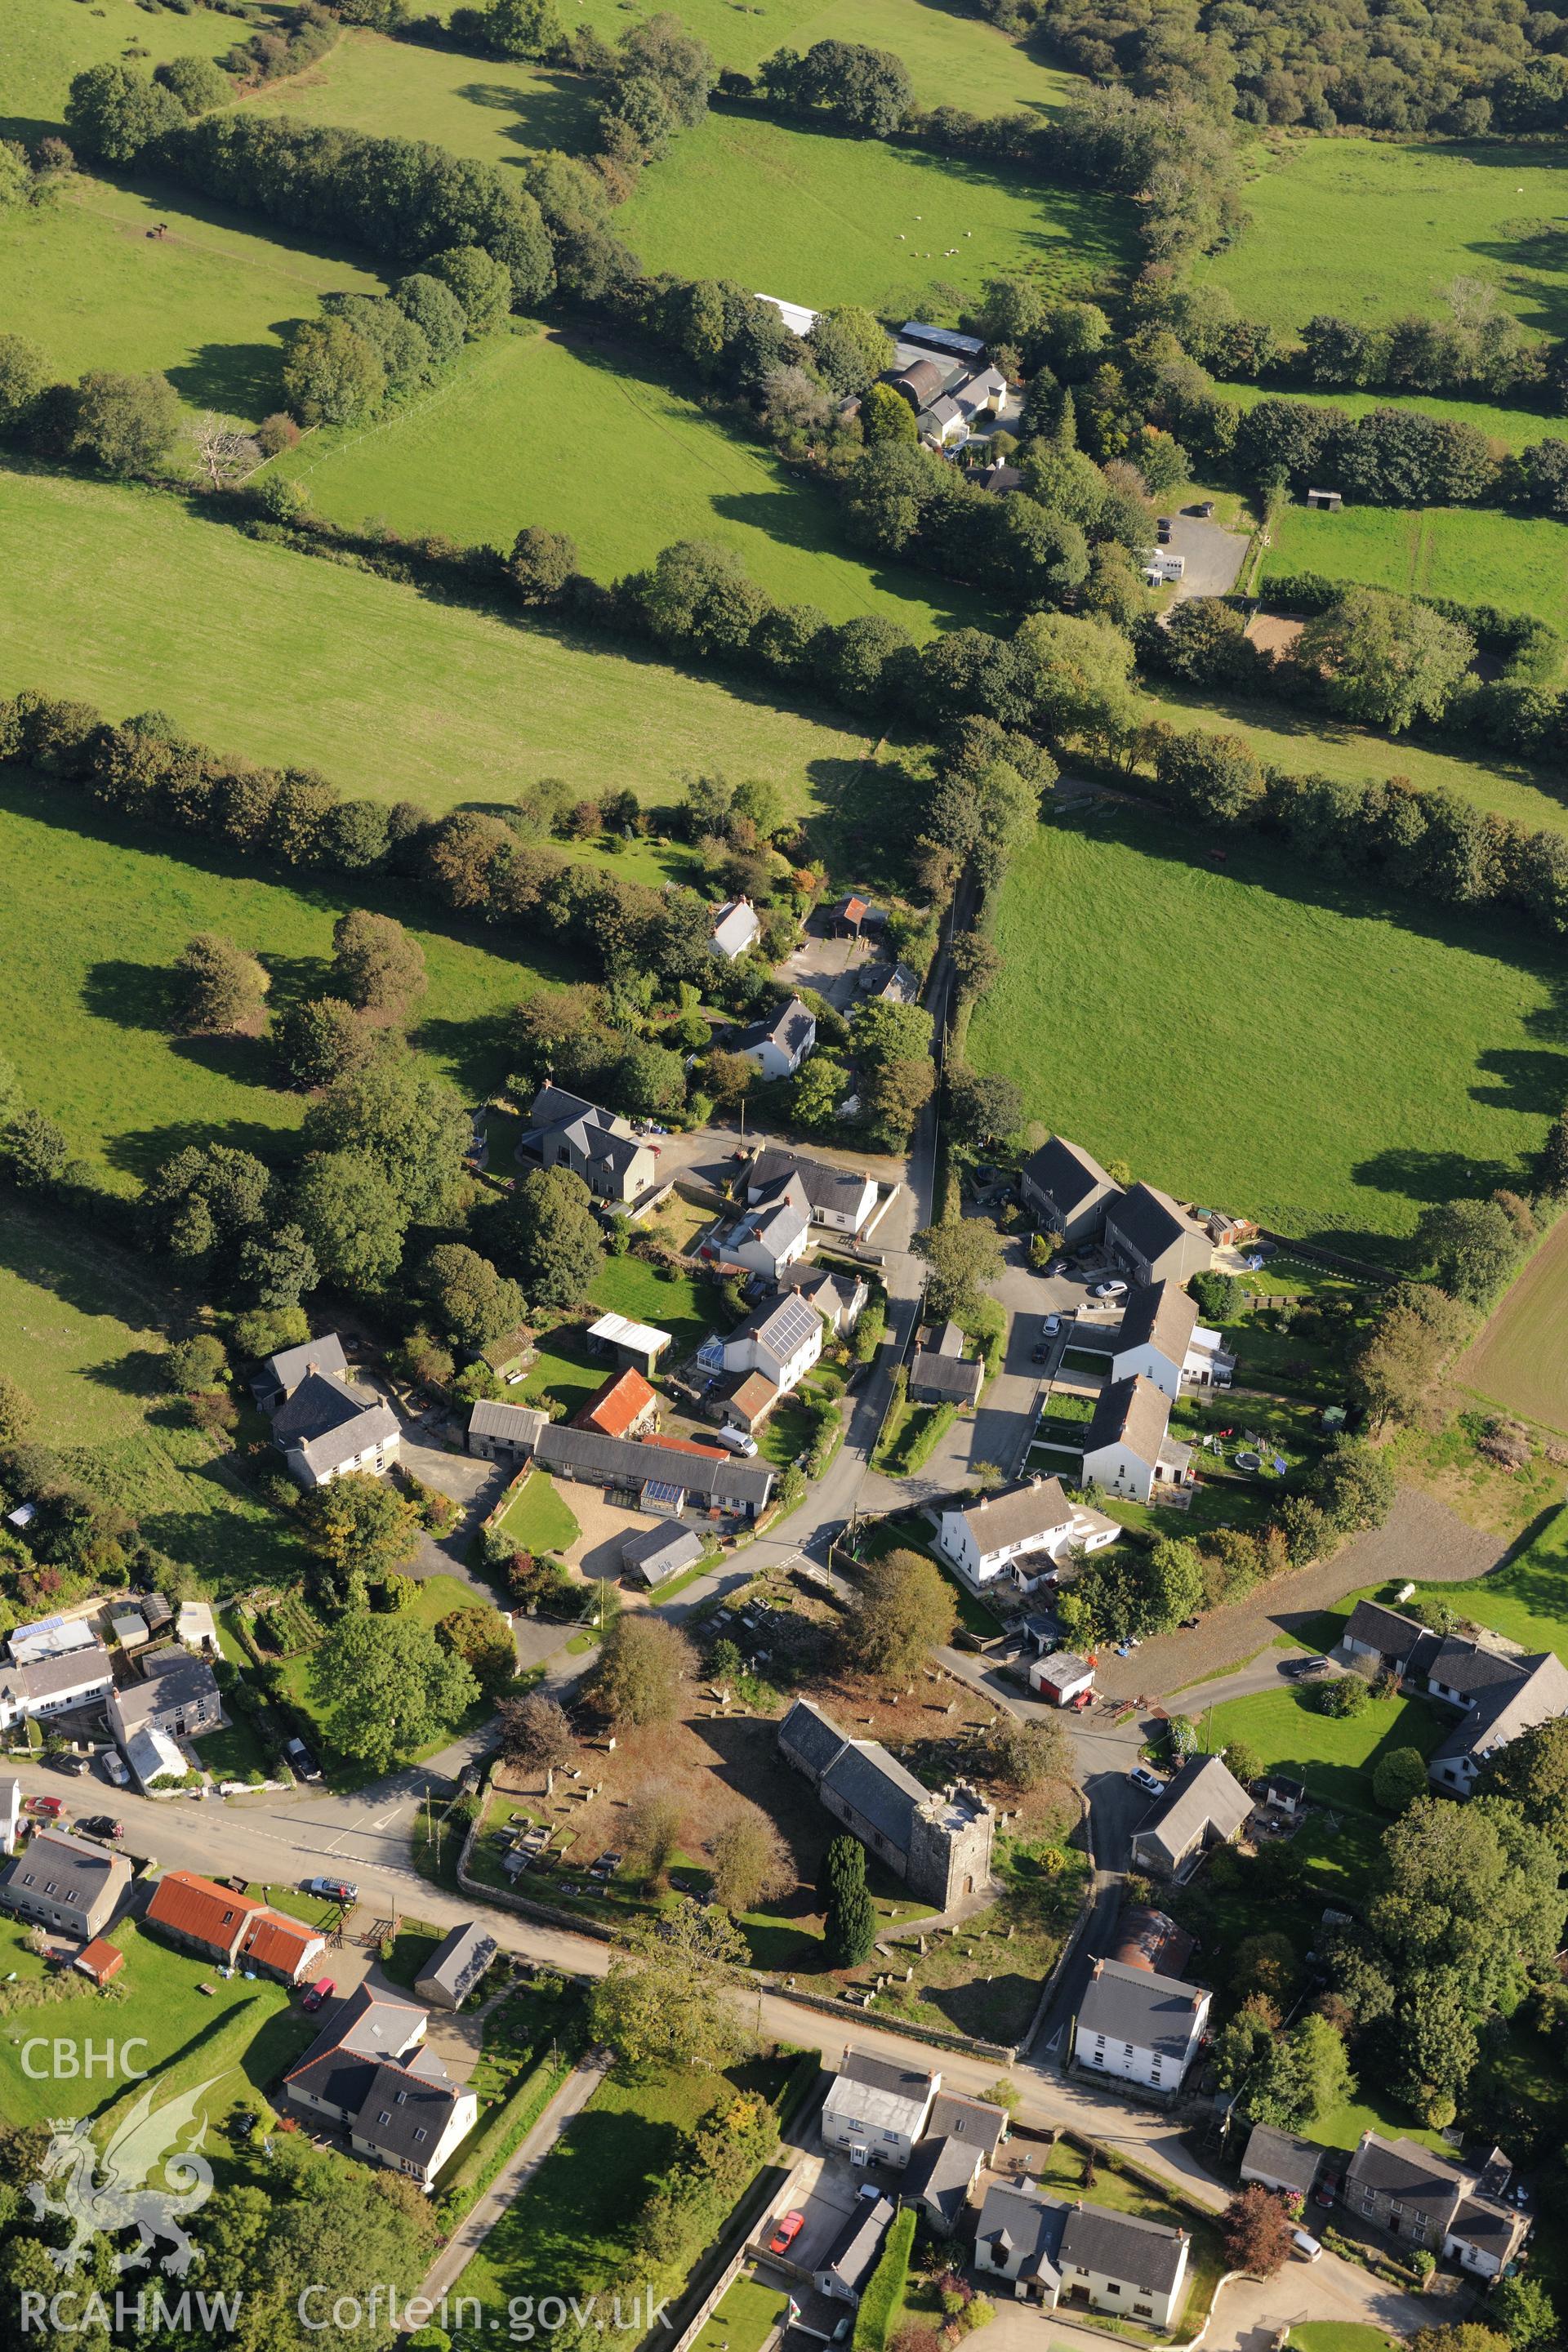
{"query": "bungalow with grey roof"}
pixel 1203 1806
pixel 653 1555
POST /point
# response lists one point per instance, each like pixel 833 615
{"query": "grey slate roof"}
pixel 662 1551
pixel 827 1188
pixel 831 1294
pixel 286 1370
pixel 853 2254
pixel 1131 1413
pixel 777 1218
pixel 46 1677
pixel 366 2031
pixel 879 1788
pixel 1382 1630
pixel 1153 2012
pixel 1163 1316
pixel 460 1961
pixel 1151 1220
pixel 1282 2155
pixel 1203 1791
pixel 1012 2218
pixel 1402 2168
pixel 403 2114
pixel 1062 1668
pixel 330 1420
pixel 81 1872
pixel 911 2083
pixel 633 1464
pixel 1466 1667
pixel 943 2171
pixel 1016 1513
pixel 520 1424
pixel 1538 1692
pixel 789 1027
pixel 1123 2246
pixel 813 1738
pixel 172 1678
pixel 1070 1174
pixel 781 1324
pixel 959 1377
pixel 976 2123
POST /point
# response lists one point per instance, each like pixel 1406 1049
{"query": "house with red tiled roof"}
pixel 234 1929
pixel 625 1407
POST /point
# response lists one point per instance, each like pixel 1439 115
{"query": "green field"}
pixel 1286 1046
pixel 1473 554
pixel 1519 1360
pixel 81 1329
pixel 234 2039
pixel 1515 428
pixel 386 692
pixel 484 107
pixel 1335 1756
pixel 817 219
pixel 954 59
pixel 568 1368
pixel 538 1518
pixel 490 450
pixel 210 304
pixel 1313 742
pixel 86 955
pixel 1373 231
pixel 45 42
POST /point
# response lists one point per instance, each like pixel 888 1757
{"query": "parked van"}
pixel 1306 2246
pixel 736 1440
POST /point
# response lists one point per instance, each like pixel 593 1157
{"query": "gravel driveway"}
pixel 1421 1539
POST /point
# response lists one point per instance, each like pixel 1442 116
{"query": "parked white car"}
pixel 1108 1290
pixel 1149 1782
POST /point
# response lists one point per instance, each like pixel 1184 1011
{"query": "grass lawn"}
pixel 568 1368
pixel 238 2039
pixel 211 304
pixel 87 955
pixel 471 459
pixel 45 42
pixel 954 59
pixel 1519 1359
pixel 1373 231
pixel 537 1518
pixel 1338 2335
pixel 80 1330
pixel 1343 2126
pixel 434 1597
pixel 1526 1600
pixel 493 109
pixel 388 693
pixel 1315 742
pixel 1473 554
pixel 1343 1063
pixel 820 219
pixel 744 2319
pixel 572 2223
pixel 1515 427
pixel 1333 1754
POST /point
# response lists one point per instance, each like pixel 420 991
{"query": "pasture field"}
pixel 1474 554
pixel 210 304
pixel 82 1330
pixel 471 458
pixel 821 219
pixel 1515 428
pixel 954 59
pixel 1316 1057
pixel 1519 1359
pixel 1313 742
pixel 131 601
pixel 45 42
pixel 86 956
pixel 492 110
pixel 1373 231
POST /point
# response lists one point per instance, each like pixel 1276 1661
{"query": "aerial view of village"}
pixel 784 1140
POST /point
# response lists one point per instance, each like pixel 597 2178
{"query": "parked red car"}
pixel 322 1990
pixel 51 1806
pixel 788 2231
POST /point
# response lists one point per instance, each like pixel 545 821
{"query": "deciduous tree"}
pixel 386 1686
pixel 669 1998
pixel 377 964
pixel 1258 2232
pixel 641 1671
pixel 750 1862
pixel 901 1611
pixel 218 987
pixel 963 1254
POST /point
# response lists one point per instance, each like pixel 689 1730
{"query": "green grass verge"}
pixel 820 220
pixel 87 957
pixel 1338 1068
pixel 210 304
pixel 538 1517
pixel 1373 231
pixel 388 693
pixel 488 450
pixel 80 1332
pixel 1338 2335
pixel 1473 554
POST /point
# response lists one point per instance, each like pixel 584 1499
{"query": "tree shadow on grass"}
pixel 140 1373
pixel 139 1151
pixel 239 379
pixel 555 112
pixel 133 996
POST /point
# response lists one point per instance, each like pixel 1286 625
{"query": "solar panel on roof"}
pixel 658 1491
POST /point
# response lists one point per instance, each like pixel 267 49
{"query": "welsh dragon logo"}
pixel 108 2195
